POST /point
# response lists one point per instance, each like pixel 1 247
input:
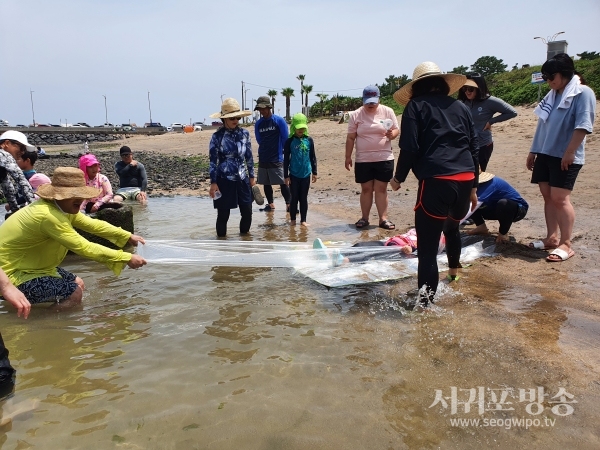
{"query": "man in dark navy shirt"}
pixel 271 133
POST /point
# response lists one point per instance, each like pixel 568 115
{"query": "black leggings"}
pixel 485 153
pixel 299 189
pixel 506 212
pixel 245 221
pixel 440 207
pixel 285 191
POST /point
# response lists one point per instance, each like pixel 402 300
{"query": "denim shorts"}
pixel 49 289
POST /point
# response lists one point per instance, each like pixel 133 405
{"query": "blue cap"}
pixel 370 95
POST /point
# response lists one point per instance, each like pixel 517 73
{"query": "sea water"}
pixel 183 356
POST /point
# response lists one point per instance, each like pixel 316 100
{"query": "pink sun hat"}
pixel 37 180
pixel 87 161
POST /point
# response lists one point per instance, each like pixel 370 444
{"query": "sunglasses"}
pixel 21 146
pixel 234 118
pixel 548 77
pixel 469 89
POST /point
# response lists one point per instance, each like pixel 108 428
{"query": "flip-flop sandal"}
pixel 258 198
pixel 361 223
pixel 559 255
pixel 387 225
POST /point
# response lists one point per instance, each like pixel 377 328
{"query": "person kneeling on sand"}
pixel 499 201
pixel 36 240
pixel 132 178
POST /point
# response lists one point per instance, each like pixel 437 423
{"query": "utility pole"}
pixel 149 108
pixel 32 110
pixel 246 98
pixel 243 100
pixel 105 110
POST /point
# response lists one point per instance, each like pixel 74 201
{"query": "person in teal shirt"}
pixel 299 163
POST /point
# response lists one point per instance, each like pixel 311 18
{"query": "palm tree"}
pixel 322 97
pixel 272 93
pixel 287 93
pixel 301 78
pixel 307 90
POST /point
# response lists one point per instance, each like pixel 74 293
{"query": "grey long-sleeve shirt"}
pixel 132 176
pixel 483 112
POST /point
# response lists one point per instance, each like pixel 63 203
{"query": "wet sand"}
pixel 527 322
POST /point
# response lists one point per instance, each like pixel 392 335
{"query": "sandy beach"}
pixel 531 322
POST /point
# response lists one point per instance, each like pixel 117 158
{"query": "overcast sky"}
pixel 187 53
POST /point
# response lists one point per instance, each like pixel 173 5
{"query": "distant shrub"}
pixel 515 87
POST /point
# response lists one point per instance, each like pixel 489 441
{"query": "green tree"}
pixel 307 90
pixel 287 93
pixel 462 70
pixel 272 93
pixel 488 65
pixel 588 55
pixel 322 97
pixel 389 85
pixel 301 78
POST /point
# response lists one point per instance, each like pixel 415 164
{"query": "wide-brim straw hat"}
pixel 230 108
pixel 485 176
pixel 429 69
pixel 471 83
pixel 67 182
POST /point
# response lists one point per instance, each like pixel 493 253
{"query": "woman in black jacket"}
pixel 437 141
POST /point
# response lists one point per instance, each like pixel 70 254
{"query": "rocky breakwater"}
pixel 166 174
pixel 44 139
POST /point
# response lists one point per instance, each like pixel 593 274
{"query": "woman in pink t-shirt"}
pixel 371 129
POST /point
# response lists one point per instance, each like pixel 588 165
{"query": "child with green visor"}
pixel 299 163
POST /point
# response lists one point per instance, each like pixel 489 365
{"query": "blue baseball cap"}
pixel 370 95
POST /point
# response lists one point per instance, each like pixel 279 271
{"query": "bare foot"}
pixel 479 229
pixel 303 224
pixel 292 223
pixel 11 410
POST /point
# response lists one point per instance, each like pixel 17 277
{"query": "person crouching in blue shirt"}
pixel 499 201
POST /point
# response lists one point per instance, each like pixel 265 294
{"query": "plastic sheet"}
pixel 337 265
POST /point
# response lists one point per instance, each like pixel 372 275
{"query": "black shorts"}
pixel 369 171
pixel 233 193
pixel 546 169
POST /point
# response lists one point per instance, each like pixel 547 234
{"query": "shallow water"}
pixel 221 357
